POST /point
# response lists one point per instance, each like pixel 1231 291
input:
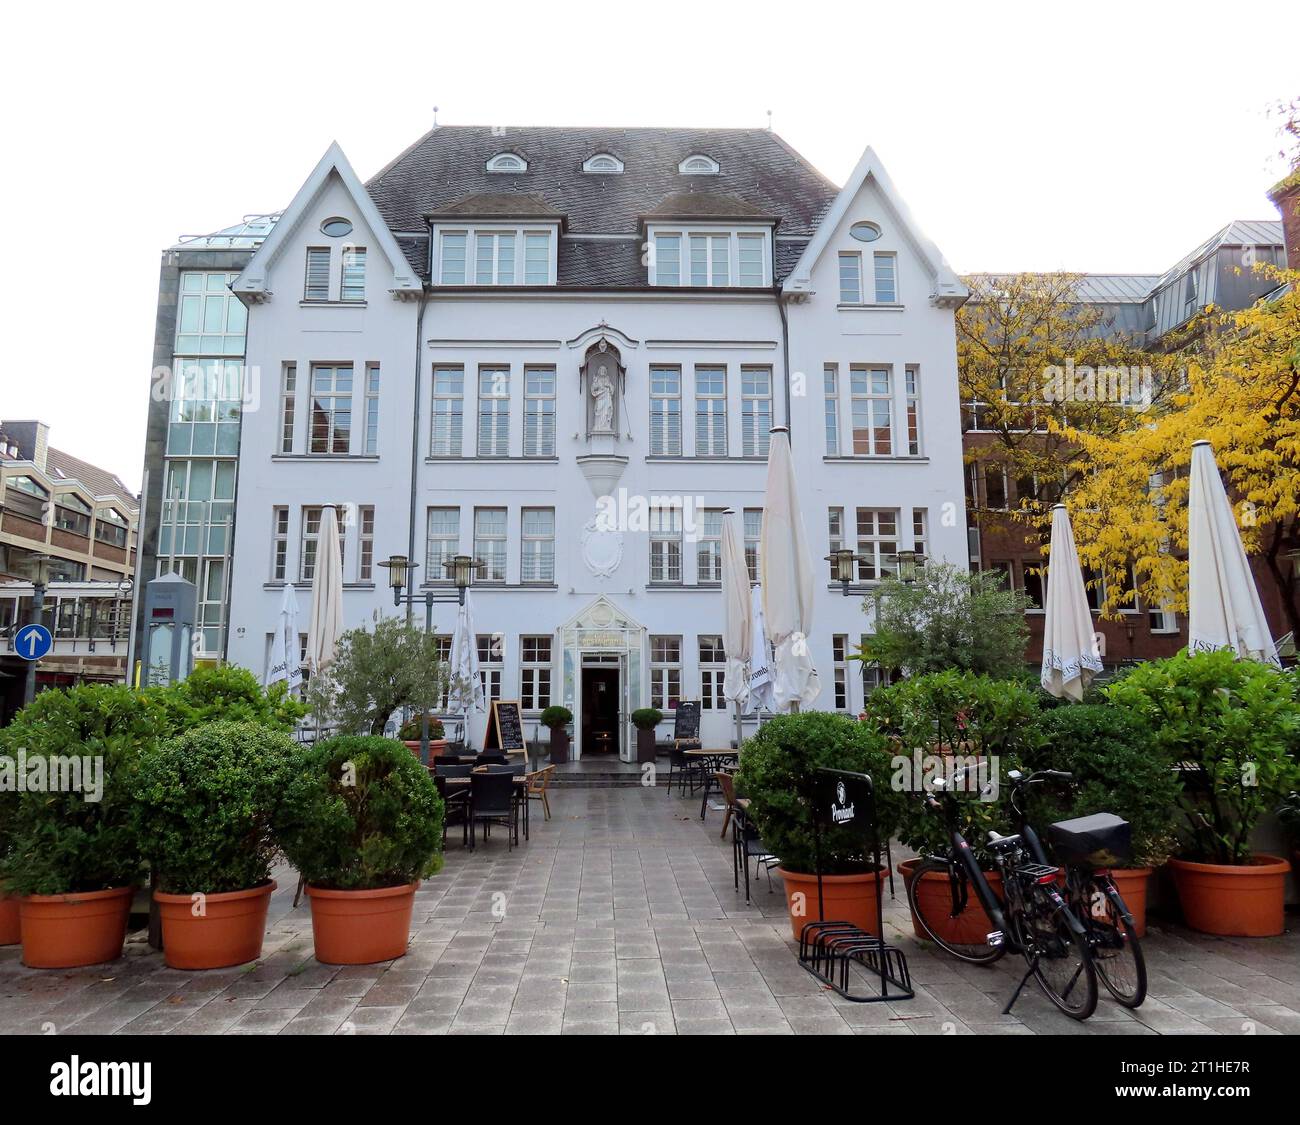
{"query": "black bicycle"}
pixel 1083 846
pixel 1031 917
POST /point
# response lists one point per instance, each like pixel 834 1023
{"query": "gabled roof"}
pixel 947 286
pixel 1239 232
pixel 252 281
pixel 99 482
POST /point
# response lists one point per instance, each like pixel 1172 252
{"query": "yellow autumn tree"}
pixel 1241 391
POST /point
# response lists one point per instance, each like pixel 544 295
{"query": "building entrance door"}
pixel 601 716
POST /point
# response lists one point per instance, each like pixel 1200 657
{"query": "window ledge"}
pixel 683 587
pixel 896 306
pixel 695 459
pixel 365 458
pixel 307 304
pixel 879 458
pixel 512 587
pixel 476 460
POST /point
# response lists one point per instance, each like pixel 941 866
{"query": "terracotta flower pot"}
pixel 970 927
pixel 1237 900
pixel 67 931
pixel 848 898
pixel 1132 883
pixel 361 927
pixel 9 928
pixel 229 931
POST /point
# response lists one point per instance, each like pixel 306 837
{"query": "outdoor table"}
pixel 712 761
pixel 521 785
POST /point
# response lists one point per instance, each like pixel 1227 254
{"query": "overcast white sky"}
pixel 1088 136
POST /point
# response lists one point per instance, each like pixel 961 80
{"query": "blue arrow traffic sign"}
pixel 33 642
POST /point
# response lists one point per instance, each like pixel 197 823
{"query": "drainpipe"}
pixel 785 354
pixel 415 441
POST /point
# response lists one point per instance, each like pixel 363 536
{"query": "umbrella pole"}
pixel 737 730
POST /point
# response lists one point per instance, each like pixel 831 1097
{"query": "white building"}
pixel 502 327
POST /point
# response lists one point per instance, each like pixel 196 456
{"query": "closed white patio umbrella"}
pixel 326 625
pixel 1070 657
pixel 465 690
pixel 787 580
pixel 1224 610
pixel 761 672
pixel 285 663
pixel 735 614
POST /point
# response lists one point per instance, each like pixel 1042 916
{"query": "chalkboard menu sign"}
pixel 686 721
pixel 505 727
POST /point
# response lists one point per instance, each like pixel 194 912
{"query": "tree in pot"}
pixel 362 823
pixel 203 812
pixel 646 719
pixel 1229 726
pixel 778 775
pixel 1113 771
pixel 74 858
pixel 558 720
pixel 412 730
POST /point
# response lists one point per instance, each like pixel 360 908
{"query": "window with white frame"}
pixel 372 408
pixel 665 672
pixel 834 532
pixel 713 667
pixel 507 162
pixel 539 411
pixel 491 663
pixel 877 543
pixel 442 542
pixel 288 405
pixel 352 277
pixel 708 547
pixel 490 543
pixel 872 406
pixel 750 268
pixel 665 411
pixel 920 530
pixel 850 278
pixel 668 259
pixel 311 530
pixel 451 257
pixel 602 163
pixel 316 286
pixel 756 410
pixel 710 411
pixel 210 319
pixel 666 544
pixel 912 387
pixel 448 411
pixel 537 550
pixel 537 258
pixel 753 537
pixel 886 266
pixel 840 664
pixel 710 258
pixel 831 393
pixel 443 642
pixel 493 411
pixel 1162 621
pixel 534 673
pixel 995 486
pixel 699 165
pixel 1031 576
pixel 279 544
pixel 331 408
pixel 365 543
pixel 494 257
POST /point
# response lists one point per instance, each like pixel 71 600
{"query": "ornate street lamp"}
pixel 843 563
pixel 908 562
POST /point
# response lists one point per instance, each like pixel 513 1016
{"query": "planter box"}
pixel 1244 900
pixel 645 746
pixel 559 746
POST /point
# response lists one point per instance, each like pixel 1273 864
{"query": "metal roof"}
pixel 1239 232
pixel 1114 288
pixel 247 234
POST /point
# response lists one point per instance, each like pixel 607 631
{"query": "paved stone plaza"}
pixel 619 917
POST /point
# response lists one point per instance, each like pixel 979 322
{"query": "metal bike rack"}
pixel 827 949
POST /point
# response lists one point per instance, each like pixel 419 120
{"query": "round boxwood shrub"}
pixel 556 716
pixel 777 773
pixel 205 803
pixel 1113 771
pixel 229 693
pixel 361 814
pixel 75 832
pixel 647 718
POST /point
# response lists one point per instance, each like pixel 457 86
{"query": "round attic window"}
pixel 336 227
pixel 865 232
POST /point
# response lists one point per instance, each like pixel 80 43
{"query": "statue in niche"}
pixel 602 374
pixel 602 400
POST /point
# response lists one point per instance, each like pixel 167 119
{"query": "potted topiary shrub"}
pixel 204 806
pixel 362 823
pixel 646 719
pixel 1114 771
pixel 74 859
pixel 558 719
pixel 412 731
pixel 1228 726
pixel 777 774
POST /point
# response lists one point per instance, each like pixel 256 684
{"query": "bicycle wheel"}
pixel 963 934
pixel 1060 958
pixel 1116 951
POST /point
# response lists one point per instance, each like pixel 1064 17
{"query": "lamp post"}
pixel 460 569
pixel 39 579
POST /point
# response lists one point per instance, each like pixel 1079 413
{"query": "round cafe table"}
pixel 712 761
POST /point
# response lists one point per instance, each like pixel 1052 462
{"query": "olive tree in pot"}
pixel 1114 771
pixel 1229 727
pixel 73 858
pixel 558 720
pixel 778 775
pixel 204 806
pixel 646 719
pixel 362 823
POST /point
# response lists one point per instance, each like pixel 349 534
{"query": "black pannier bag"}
pixel 1100 840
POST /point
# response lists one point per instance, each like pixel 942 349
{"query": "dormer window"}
pixel 478 254
pixel 603 164
pixel 702 257
pixel 507 162
pixel 699 165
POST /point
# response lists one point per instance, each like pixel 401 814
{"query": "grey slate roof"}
pixel 64 466
pixel 760 176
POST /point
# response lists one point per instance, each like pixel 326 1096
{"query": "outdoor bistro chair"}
pixel 538 783
pixel 456 770
pixel 492 801
pixel 455 808
pixel 727 783
pixel 491 758
pixel 685 770
pixel 746 845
